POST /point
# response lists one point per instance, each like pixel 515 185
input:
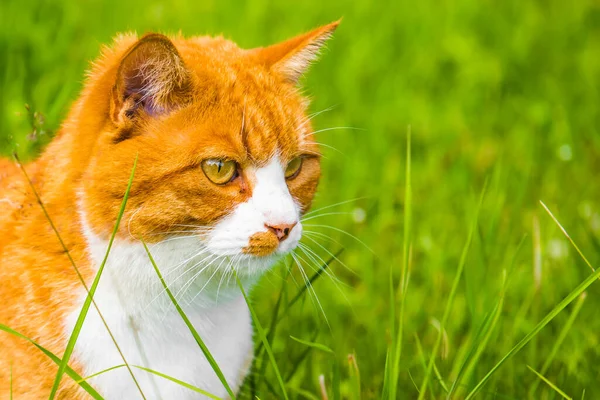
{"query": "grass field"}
pixel 497 95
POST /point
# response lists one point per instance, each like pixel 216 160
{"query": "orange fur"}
pixel 208 99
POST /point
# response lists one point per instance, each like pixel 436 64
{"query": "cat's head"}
pixel 226 153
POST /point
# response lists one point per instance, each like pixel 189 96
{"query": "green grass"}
pixel 504 91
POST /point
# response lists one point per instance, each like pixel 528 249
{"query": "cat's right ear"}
pixel 151 78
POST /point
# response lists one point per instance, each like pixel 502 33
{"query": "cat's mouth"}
pixel 274 240
pixel 261 244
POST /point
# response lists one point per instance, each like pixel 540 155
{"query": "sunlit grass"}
pixel 508 94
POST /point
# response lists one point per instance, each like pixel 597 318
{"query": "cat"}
pixel 226 166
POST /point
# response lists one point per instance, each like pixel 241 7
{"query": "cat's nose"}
pixel 282 231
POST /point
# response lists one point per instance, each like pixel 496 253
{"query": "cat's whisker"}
pixel 338 128
pixel 325 145
pixel 318 262
pixel 320 235
pixel 309 117
pixel 328 271
pixel 309 286
pixel 233 263
pixel 341 231
pixel 336 281
pixel 206 227
pixel 221 281
pixel 334 205
pixel 292 275
pixel 176 279
pixel 131 219
pixel 324 215
pixel 176 267
pixel 207 264
pixel 206 283
pixel 329 253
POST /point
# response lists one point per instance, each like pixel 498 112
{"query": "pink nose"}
pixel 282 231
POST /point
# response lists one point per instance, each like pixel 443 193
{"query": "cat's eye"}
pixel 219 171
pixel 293 168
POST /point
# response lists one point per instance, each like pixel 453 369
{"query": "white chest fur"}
pixel 144 322
pixel 151 333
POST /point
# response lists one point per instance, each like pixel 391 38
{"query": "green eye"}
pixel 219 171
pixel 293 168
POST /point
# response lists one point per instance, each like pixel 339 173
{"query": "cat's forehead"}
pixel 238 108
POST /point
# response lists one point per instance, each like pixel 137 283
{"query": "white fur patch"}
pixel 146 326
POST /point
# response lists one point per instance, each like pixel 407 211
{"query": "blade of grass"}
pixel 549 317
pixel 298 361
pixel 484 334
pixel 160 374
pixel 297 297
pixel 561 337
pixel 446 315
pixel 484 331
pixel 480 347
pixel 68 370
pixel 271 332
pixel 424 360
pixel 403 285
pixel 311 281
pixel 262 335
pixel 314 345
pixel 335 381
pixel 86 305
pixel 87 378
pixel 180 383
pixel 354 376
pixel 305 394
pixel 552 385
pixel 564 231
pixel 191 328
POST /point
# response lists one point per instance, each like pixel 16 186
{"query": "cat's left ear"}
pixel 151 78
pixel 290 59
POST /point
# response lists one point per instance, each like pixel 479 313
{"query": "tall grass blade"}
pixel 160 374
pixel 578 291
pixel 179 382
pixel 68 253
pixel 403 286
pixel 298 361
pixel 461 265
pixel 552 385
pixel 271 333
pixel 484 334
pixel 549 317
pixel 312 344
pixel 561 337
pixel 354 376
pixel 262 335
pixel 191 328
pixel 564 231
pixel 68 370
pixel 88 300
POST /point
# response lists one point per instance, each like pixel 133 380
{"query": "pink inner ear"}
pixel 291 58
pixel 153 75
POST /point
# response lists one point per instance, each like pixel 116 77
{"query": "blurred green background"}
pixel 506 92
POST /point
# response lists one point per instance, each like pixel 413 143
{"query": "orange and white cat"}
pixel 227 164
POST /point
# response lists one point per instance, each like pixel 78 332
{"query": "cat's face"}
pixel 226 153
